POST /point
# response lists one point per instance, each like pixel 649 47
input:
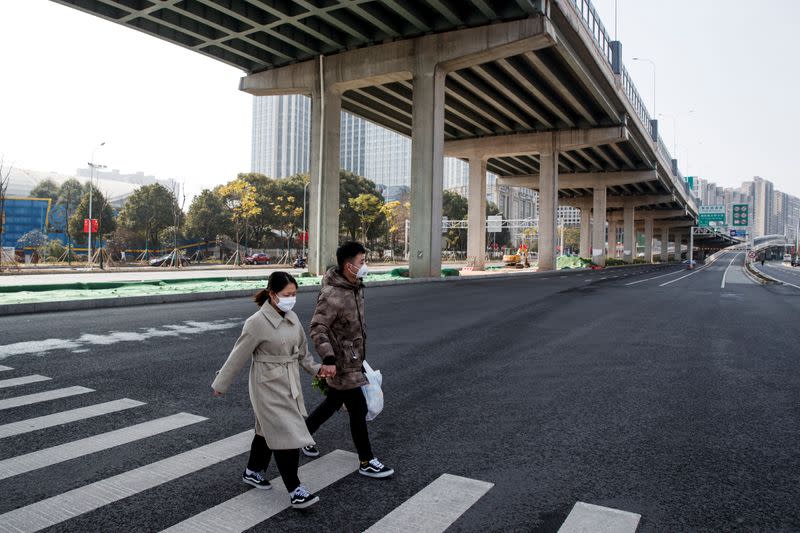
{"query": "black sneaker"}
pixel 310 451
pixel 375 469
pixel 256 479
pixel 301 498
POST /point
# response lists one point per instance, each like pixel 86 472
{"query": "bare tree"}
pixel 5 179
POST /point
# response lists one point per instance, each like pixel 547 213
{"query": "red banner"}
pixel 95 225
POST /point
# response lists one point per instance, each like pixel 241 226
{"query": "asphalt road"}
pixel 653 390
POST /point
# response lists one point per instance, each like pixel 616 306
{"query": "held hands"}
pixel 327 371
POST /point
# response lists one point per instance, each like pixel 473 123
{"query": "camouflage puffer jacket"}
pixel 339 331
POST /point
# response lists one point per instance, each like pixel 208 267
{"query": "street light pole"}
pixel 654 78
pixel 91 187
pixel 305 233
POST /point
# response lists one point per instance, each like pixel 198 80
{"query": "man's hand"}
pixel 216 393
pixel 327 371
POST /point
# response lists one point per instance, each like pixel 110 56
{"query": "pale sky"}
pixel 70 80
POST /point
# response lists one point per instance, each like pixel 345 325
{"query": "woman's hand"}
pixel 327 371
pixel 216 393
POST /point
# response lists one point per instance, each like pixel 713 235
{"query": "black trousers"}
pixel 287 460
pixel 356 405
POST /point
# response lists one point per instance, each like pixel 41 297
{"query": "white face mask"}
pixel 362 271
pixel 286 303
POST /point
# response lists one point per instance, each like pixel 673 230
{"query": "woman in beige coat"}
pixel 274 343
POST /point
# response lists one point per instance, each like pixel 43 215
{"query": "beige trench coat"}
pixel 276 347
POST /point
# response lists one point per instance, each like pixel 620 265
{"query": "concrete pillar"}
pixel 323 223
pixel 612 238
pixel 648 239
pixel 599 226
pixel 629 237
pixel 586 228
pixel 476 214
pixel 548 209
pixel 664 244
pixel 427 167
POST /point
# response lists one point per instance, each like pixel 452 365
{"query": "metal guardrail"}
pixel 592 22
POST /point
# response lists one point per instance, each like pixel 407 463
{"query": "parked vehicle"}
pixel 166 260
pixel 257 259
pixel 300 262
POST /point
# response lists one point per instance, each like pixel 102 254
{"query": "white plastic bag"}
pixel 372 392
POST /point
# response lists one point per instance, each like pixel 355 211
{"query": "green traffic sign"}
pixel 711 215
pixel 741 214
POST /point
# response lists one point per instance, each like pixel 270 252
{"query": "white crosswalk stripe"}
pixel 76 502
pixel 71 450
pixel 588 518
pixel 255 506
pixel 23 380
pixel 18 401
pixel 434 508
pixel 73 415
pixel 2 368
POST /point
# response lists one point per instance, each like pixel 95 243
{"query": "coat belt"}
pixel 284 360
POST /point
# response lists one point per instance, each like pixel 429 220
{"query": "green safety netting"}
pixel 17 294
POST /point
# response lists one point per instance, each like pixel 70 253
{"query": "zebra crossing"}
pixel 431 510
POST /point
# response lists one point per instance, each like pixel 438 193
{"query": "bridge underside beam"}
pixel 535 143
pixel 583 180
pixel 391 62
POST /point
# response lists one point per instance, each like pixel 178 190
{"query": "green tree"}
pixel 288 215
pixel 240 199
pixel 148 211
pixel 454 207
pixel 260 226
pixel 70 194
pixel 396 213
pixel 46 189
pixel 368 208
pixel 207 217
pixel 572 238
pixel 352 186
pixel 100 210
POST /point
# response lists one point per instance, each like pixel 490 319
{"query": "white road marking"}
pixel 725 275
pixel 655 277
pixel 24 380
pixel 78 448
pixel 64 417
pixel 114 337
pixel 253 507
pixel 55 394
pixel 57 509
pixel 588 518
pixel 434 508
pixel 2 368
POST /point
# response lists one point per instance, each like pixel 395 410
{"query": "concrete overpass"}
pixel 533 90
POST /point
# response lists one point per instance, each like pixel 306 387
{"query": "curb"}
pixel 130 301
pixel 758 276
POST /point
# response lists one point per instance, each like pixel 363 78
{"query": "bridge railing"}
pixel 636 101
pixel 595 26
pixel 592 22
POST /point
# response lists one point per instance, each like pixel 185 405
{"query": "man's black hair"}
pixel 348 251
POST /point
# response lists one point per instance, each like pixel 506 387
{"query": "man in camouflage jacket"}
pixel 339 334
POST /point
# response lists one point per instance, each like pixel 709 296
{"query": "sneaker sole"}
pixel 304 505
pixel 309 454
pixel 380 475
pixel 256 485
